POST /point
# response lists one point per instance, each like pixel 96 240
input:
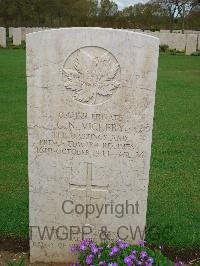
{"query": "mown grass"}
pixel 173 203
pixel 13 179
pixel 174 189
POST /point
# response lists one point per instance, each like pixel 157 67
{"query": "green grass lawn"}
pixel 173 203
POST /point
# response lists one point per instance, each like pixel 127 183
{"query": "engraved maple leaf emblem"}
pixel 92 76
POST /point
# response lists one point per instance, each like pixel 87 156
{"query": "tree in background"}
pixel 154 15
pixel 170 6
pixel 108 8
pixel 184 8
pixel 194 17
pixel 178 9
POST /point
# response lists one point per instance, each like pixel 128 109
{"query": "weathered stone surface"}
pixel 17 36
pixel 91 95
pixel 2 37
pixel 191 44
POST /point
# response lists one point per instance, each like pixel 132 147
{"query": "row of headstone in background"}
pixel 168 31
pixel 185 31
pixel 181 42
pixel 19 34
pixel 188 42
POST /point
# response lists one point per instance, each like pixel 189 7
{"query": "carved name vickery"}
pixel 98 134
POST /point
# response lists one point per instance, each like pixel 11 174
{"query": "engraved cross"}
pixel 88 187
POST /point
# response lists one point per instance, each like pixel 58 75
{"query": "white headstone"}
pixel 155 33
pixel 36 29
pixel 10 31
pixel 91 96
pixel 137 30
pixel 198 46
pixel 23 30
pixel 17 36
pixel 33 30
pixel 191 31
pixel 28 30
pixel 167 39
pixel 177 31
pixel 2 37
pixel 173 40
pixel 191 43
pixel 178 41
pixel 165 31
